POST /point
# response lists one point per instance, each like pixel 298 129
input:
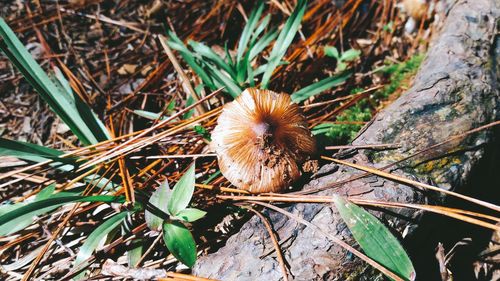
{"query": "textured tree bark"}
pixel 455 90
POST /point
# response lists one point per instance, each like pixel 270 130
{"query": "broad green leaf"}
pixel 350 55
pixel 341 66
pixel 247 32
pixel 180 242
pixel 284 40
pixel 320 86
pixel 135 253
pixel 170 106
pixel 96 236
pixel 182 193
pixel 331 51
pixel 69 107
pixel 375 239
pixel 159 199
pixel 190 214
pixel 51 203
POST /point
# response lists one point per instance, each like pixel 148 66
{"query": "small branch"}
pixel 269 228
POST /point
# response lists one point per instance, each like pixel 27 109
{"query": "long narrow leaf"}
pixel 96 236
pixel 375 239
pixel 207 53
pixel 50 202
pixel 262 43
pixel 150 115
pixel 319 87
pixel 247 32
pixel 35 153
pixel 284 40
pixel 25 220
pixel 260 28
pixel 74 112
pixel 175 43
pixel 232 88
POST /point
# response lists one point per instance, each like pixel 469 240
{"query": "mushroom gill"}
pixel 261 140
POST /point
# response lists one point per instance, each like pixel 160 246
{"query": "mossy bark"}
pixel 456 90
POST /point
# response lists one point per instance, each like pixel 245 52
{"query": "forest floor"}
pixel 112 58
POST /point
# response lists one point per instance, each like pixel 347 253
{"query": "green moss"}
pixel 362 111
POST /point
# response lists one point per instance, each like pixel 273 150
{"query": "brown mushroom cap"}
pixel 260 140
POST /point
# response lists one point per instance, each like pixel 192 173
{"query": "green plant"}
pixel 375 239
pixel 177 237
pixel 350 122
pixel 55 90
pixel 239 72
pixel 342 60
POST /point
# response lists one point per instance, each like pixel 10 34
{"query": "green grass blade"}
pixel 25 220
pixel 175 43
pixel 206 52
pixel 25 149
pixel 180 242
pixel 224 81
pixel 284 40
pixel 319 87
pixel 228 56
pixel 262 43
pixel 182 192
pixel 242 69
pixel 251 76
pixel 262 68
pixel 73 111
pixel 35 153
pixel 51 202
pixel 247 32
pixel 375 239
pixel 260 28
pixel 96 236
pixel 150 115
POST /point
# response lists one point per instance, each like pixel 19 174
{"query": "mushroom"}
pixel 261 140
